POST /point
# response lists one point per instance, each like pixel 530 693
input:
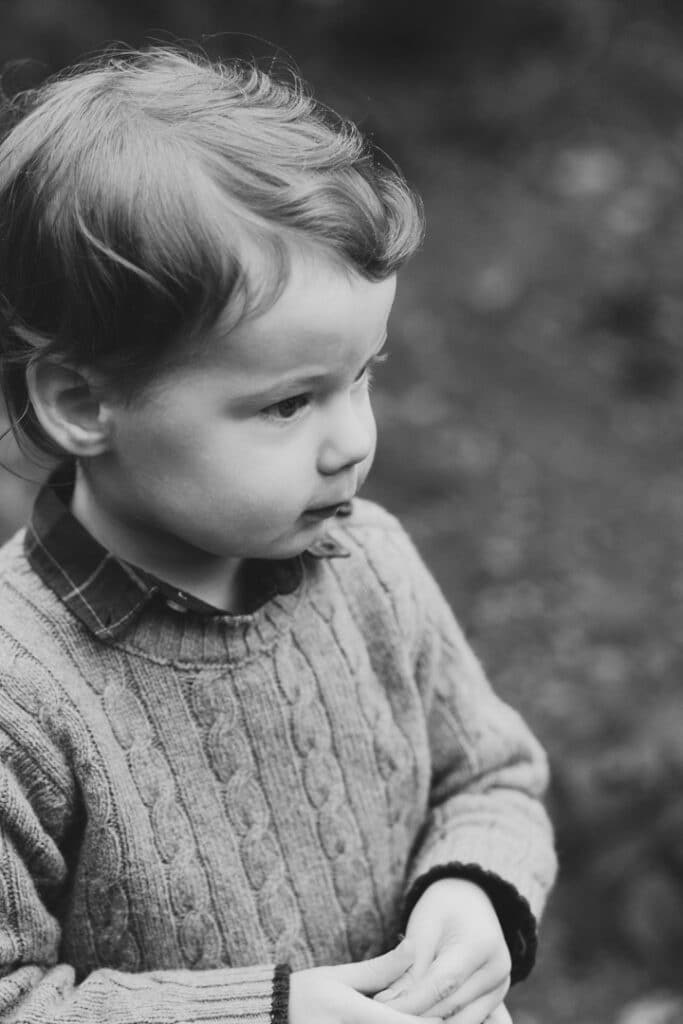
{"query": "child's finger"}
pixel 407 980
pixel 485 982
pixel 481 1009
pixel 445 976
pixel 499 1016
pixel 370 976
pixel 378 1013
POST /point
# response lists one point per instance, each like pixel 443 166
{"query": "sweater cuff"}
pixel 514 913
pixel 280 1011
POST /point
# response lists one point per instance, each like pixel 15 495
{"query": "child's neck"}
pixel 216 580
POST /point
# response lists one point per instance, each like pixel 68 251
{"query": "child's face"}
pixel 227 455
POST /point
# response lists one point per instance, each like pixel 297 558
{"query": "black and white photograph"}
pixel 341 512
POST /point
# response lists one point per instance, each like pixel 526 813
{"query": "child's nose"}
pixel 349 437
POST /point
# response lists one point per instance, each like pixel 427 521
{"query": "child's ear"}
pixel 69 407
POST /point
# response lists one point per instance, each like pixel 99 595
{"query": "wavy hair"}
pixel 136 189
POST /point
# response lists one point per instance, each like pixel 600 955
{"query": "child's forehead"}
pixel 323 313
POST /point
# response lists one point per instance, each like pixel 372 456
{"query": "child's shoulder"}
pixel 373 528
pixel 382 548
pixel 26 602
pixel 381 554
pixel 12 560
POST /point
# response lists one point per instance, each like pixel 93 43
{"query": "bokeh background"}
pixel 530 413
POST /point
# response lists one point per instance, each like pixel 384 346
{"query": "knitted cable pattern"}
pixel 383 709
pixel 198 936
pixel 192 802
pixel 337 829
pixel 105 898
pixel 232 760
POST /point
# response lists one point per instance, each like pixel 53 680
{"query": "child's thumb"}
pixel 371 976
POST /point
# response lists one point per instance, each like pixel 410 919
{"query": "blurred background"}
pixel 530 414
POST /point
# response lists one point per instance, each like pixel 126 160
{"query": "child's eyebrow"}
pixel 298 381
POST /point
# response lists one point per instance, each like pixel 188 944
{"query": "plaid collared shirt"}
pixel 107 594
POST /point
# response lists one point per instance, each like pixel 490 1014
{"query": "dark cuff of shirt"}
pixel 514 913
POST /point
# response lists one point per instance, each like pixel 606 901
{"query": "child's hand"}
pixel 499 1016
pixel 339 995
pixel 461 970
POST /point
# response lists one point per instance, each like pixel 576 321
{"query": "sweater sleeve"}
pixel 486 819
pixel 35 988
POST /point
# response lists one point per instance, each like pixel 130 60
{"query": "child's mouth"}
pixel 326 511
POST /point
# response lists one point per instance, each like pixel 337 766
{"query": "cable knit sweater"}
pixel 189 806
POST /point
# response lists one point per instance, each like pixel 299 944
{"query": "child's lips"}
pixel 327 511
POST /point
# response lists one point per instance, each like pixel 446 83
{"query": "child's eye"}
pixel 368 374
pixel 287 408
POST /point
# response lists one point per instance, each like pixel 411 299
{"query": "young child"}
pixel 242 734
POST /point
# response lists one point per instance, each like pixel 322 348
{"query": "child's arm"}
pixel 486 825
pixel 35 986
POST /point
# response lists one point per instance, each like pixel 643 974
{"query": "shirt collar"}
pixel 107 594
